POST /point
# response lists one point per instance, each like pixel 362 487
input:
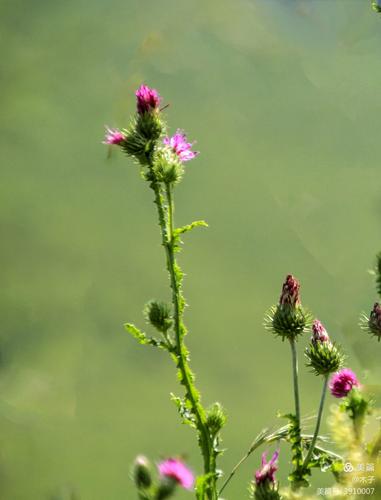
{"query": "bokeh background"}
pixel 283 98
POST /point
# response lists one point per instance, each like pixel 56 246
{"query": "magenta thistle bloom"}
pixel 179 145
pixel 147 99
pixel 319 333
pixel 342 382
pixel 177 470
pixel 113 136
pixel 290 292
pixel 267 472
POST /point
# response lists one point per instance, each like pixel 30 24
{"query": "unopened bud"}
pixel 141 472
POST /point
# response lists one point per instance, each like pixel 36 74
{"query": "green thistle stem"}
pixel 318 422
pixel 295 378
pixel 192 395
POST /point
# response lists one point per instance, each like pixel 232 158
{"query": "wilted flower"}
pixel 342 383
pixel 179 145
pixel 147 99
pixel 290 292
pixel 177 470
pixel 266 474
pixel 319 333
pixel 113 136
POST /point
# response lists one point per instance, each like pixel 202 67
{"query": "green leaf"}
pixel 142 338
pixel 189 227
pixel 184 410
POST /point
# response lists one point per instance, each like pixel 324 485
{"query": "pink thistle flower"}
pixel 267 472
pixel 319 333
pixel 342 382
pixel 177 470
pixel 290 292
pixel 147 99
pixel 113 136
pixel 179 145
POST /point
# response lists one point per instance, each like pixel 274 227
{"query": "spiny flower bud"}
pixel 167 167
pixel 288 319
pixel 215 419
pixel 342 383
pixel 150 126
pixel 159 315
pixel 373 324
pixel 323 356
pixel 141 472
pixel 166 488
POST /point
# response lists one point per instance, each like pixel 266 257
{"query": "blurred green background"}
pixel 283 98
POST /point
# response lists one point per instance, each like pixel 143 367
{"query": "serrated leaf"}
pixel 142 338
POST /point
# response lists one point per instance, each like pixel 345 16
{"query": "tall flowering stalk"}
pixel 162 160
pixel 323 357
pixel 289 320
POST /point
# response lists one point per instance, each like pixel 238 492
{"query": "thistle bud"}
pixel 166 488
pixel 141 472
pixel 374 322
pixel 288 319
pixel 323 356
pixel 215 419
pixel 159 315
pixel 168 168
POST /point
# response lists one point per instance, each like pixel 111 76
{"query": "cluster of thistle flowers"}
pixel 172 473
pixel 288 320
pixel 144 139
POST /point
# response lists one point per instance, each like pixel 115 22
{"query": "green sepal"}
pixel 266 491
pixel 185 411
pixel 288 321
pixel 369 326
pixel 324 357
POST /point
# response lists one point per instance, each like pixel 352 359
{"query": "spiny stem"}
pixel 318 422
pixel 295 378
pixel 166 223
